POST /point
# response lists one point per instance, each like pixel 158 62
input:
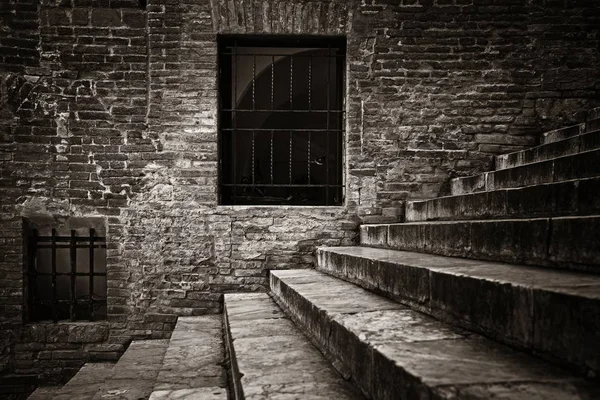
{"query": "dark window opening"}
pixel 66 275
pixel 281 120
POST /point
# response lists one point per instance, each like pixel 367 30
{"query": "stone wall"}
pixel 110 110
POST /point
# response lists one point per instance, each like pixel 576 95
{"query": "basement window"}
pixel 281 120
pixel 65 275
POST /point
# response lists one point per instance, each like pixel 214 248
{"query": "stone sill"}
pixel 283 207
pixel 66 323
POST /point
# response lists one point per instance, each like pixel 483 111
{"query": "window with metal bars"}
pixel 66 275
pixel 281 120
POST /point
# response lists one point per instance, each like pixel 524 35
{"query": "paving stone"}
pixel 514 304
pixel 195 356
pixel 87 382
pixel 134 375
pixel 204 393
pixel 434 360
pixel 45 393
pixel 272 359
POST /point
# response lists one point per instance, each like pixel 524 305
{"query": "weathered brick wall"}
pixel 110 111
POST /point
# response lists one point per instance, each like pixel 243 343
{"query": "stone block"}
pixel 374 235
pixel 574 242
pixel 501 311
pixel 510 240
pixel 106 17
pixel 579 319
pixel 578 166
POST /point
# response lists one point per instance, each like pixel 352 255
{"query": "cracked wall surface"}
pixel 110 111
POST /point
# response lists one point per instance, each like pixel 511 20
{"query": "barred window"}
pixel 281 120
pixel 65 275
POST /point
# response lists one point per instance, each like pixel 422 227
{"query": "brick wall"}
pixel 110 111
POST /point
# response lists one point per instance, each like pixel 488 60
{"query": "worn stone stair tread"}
pixel 134 375
pixel 394 352
pixel 272 359
pixel 573 197
pixel 558 242
pixel 84 385
pixel 580 165
pixel 592 123
pixel 45 393
pixel 571 145
pixel 193 362
pixel 515 304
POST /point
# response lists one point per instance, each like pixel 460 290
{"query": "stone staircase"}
pixel 492 292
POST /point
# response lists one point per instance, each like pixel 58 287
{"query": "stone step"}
pixel 585 141
pixel 575 197
pixel 557 242
pixel 592 123
pixel 83 386
pixel 393 352
pixel 272 359
pixel 134 375
pixel 576 166
pixel 193 363
pixel 514 304
pixel 44 393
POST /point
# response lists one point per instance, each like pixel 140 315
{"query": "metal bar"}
pixel 91 279
pixel 69 274
pixel 272 83
pixel 66 246
pixel 254 82
pixel 32 262
pixel 290 168
pixel 253 155
pixel 73 274
pixel 54 296
pixel 310 61
pixel 67 239
pixel 308 152
pixel 280 185
pixel 291 82
pixel 272 181
pixel 287 130
pixel 327 132
pixel 233 118
pixel 340 120
pixel 225 53
pixel 239 110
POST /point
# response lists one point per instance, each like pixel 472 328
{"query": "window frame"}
pixel 33 241
pixel 286 42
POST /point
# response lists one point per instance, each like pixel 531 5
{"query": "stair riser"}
pixel 238 392
pixel 579 166
pixel 556 135
pixel 564 198
pixel 376 376
pixel 557 242
pixel 515 315
pixel 574 145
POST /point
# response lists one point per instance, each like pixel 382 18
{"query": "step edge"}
pixel 506 155
pixel 484 174
pixel 330 317
pixel 480 221
pixel 492 264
